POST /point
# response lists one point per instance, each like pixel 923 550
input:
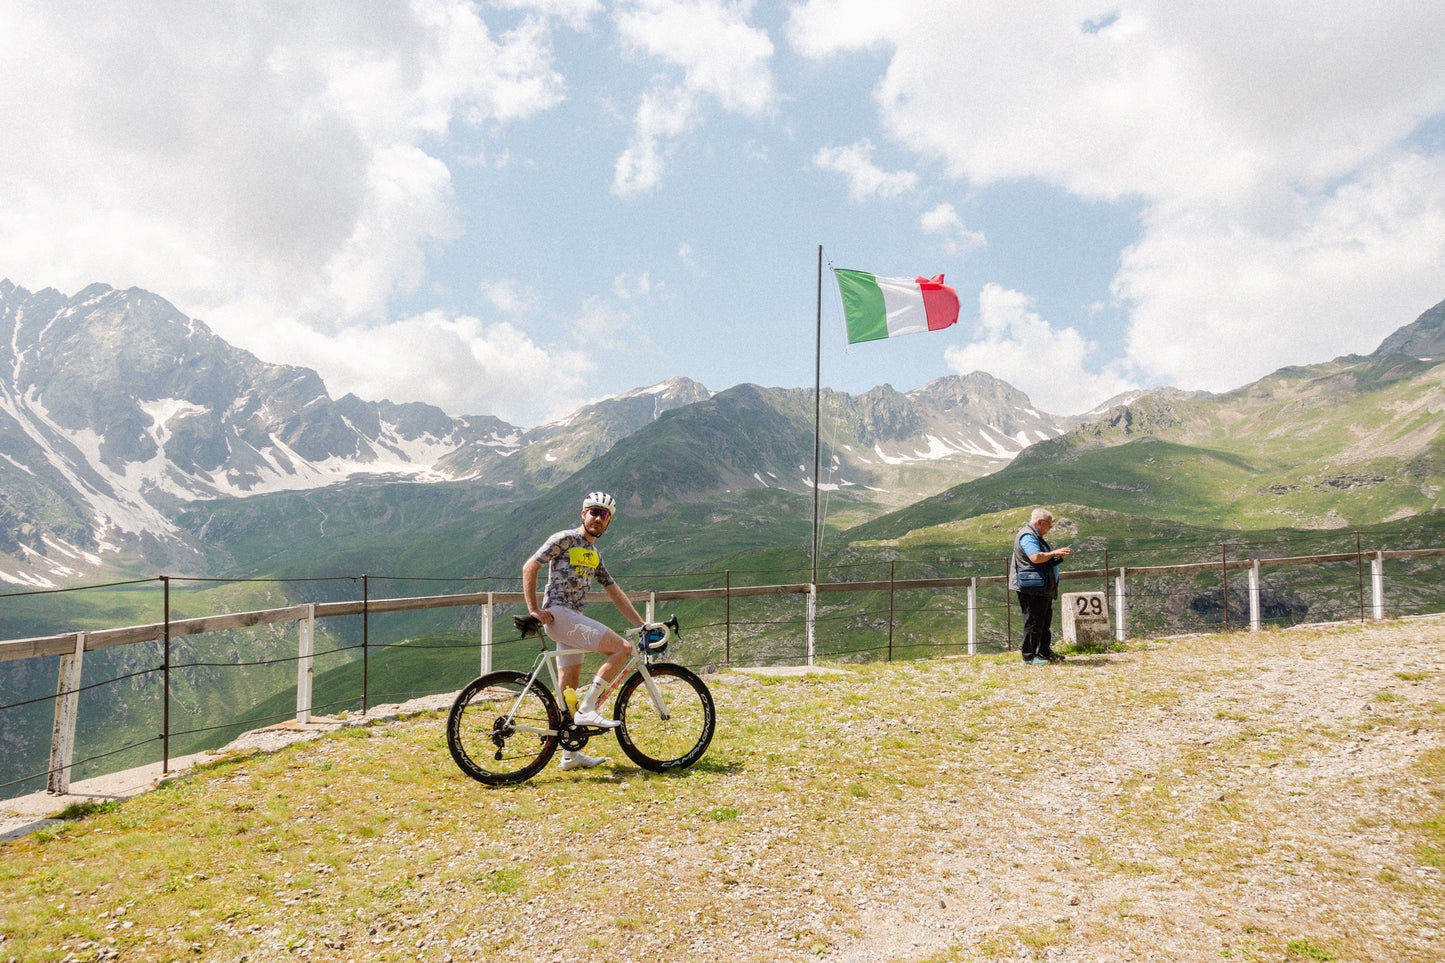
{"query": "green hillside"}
pixel 1346 444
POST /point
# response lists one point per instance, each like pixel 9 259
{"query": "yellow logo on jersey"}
pixel 585 560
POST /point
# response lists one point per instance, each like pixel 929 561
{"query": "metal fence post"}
pixel 891 565
pixel 1360 574
pixel 166 682
pixel 1008 615
pixel 67 708
pixel 1224 572
pixel 727 616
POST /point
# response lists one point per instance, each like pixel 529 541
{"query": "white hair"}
pixel 1039 515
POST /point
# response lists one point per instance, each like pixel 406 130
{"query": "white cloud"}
pixel 943 219
pixel 1264 145
pixel 630 286
pixel 1012 342
pixel 458 363
pixel 1218 303
pixel 664 113
pixel 720 54
pixel 509 297
pixel 721 58
pixel 865 179
pixel 574 13
pixel 230 155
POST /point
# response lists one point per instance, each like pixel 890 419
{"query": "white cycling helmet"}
pixel 600 500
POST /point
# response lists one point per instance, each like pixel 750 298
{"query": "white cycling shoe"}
pixel 591 717
pixel 576 760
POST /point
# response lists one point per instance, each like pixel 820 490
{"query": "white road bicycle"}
pixel 505 726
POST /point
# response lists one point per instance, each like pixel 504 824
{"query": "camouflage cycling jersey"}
pixel 572 564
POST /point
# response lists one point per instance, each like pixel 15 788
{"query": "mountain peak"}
pixel 1422 338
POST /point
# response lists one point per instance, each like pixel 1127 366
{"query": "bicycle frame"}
pixel 638 662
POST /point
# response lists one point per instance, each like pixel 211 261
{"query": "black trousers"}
pixel 1038 614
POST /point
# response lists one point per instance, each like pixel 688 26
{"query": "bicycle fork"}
pixel 655 693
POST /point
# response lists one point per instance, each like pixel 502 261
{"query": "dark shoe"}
pixel 1054 657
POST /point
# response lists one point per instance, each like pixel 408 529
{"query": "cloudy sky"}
pixel 514 207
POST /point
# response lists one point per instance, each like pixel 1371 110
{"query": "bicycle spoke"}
pixel 673 736
pixel 502 728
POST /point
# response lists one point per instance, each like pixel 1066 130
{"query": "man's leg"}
pixel 1046 632
pixel 618 650
pixel 1029 641
pixel 574 630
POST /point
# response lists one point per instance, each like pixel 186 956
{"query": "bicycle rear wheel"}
pixel 677 741
pixel 503 727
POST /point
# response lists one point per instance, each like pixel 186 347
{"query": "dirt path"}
pixel 1239 797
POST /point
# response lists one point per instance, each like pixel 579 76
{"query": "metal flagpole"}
pixel 817 410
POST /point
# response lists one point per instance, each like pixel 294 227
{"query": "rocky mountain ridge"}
pixel 117 411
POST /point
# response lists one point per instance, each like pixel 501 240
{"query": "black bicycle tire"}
pixel 640 754
pixel 462 741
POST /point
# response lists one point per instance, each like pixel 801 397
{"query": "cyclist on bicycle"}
pixel 573 563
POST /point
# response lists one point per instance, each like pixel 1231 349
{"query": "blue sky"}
pixel 515 207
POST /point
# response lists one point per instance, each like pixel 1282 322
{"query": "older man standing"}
pixel 1033 575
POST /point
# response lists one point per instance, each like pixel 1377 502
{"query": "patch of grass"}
pixel 1306 950
pixel 1431 828
pixel 507 880
pixel 80 810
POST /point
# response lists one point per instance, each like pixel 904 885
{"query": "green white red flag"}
pixel 877 308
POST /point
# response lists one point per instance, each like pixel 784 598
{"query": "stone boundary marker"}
pixel 1086 619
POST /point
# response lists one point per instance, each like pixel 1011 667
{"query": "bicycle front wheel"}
pixel 503 728
pixel 674 734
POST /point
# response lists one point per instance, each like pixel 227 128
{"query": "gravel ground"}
pixel 1242 797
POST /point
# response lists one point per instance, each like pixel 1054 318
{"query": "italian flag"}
pixel 877 308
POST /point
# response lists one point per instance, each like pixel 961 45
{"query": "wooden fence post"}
pixel 1254 607
pixel 488 613
pixel 67 708
pixel 812 619
pixel 973 616
pixel 305 665
pixel 1377 582
pixel 1119 605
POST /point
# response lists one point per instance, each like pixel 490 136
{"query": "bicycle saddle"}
pixel 527 624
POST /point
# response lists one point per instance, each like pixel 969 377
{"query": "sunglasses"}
pixel 598 512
